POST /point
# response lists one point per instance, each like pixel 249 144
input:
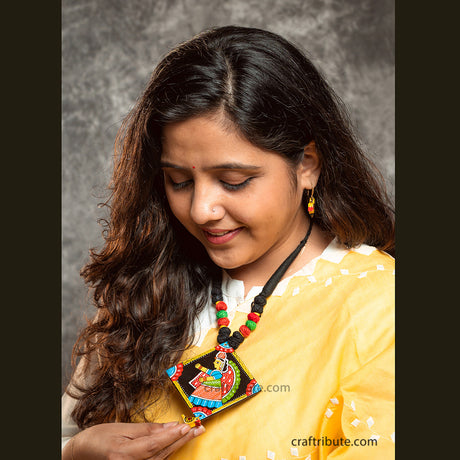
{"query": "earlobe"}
pixel 310 166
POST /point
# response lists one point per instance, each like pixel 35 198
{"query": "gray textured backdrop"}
pixel 109 48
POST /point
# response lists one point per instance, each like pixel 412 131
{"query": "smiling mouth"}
pixel 219 236
pixel 217 233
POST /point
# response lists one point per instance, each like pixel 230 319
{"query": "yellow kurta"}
pixel 323 353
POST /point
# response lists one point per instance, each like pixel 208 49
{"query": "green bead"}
pixel 221 314
pixel 251 324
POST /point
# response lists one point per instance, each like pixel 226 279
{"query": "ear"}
pixel 310 167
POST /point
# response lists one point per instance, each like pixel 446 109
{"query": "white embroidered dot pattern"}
pixel 294 451
pixel 380 267
pixel 233 289
pixel 352 404
pixel 344 271
pixel 296 291
pixel 270 455
pixel 328 282
pixel 328 413
pixel 375 436
pixel 355 422
pixel 370 422
pixel 364 249
pixel 334 401
pixel 393 436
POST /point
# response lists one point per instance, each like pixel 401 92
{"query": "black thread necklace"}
pixel 257 305
pixel 218 378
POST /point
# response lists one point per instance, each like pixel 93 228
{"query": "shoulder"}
pixel 358 258
pixel 370 300
pixel 356 287
pixel 359 269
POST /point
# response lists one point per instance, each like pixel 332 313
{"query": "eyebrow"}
pixel 167 164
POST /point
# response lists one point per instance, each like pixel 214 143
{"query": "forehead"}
pixel 207 138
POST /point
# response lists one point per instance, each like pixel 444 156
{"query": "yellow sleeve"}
pixel 361 414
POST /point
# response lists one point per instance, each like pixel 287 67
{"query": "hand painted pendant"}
pixel 213 381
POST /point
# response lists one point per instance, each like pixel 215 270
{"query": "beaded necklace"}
pixel 223 379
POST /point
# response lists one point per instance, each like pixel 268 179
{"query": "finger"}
pixel 193 433
pixel 137 430
pixel 158 443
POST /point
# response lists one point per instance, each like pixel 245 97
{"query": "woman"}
pixel 236 158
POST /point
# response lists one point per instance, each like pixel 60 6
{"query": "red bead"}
pixel 223 321
pixel 245 331
pixel 221 305
pixel 253 317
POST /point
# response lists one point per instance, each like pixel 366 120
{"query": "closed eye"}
pixel 236 186
pixel 226 185
pixel 180 185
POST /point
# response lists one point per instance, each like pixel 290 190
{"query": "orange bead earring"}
pixel 311 203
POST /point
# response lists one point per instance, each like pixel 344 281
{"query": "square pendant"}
pixel 213 381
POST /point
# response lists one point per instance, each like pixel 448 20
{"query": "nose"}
pixel 206 205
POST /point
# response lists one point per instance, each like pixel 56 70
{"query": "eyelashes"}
pixel 239 186
pixel 231 187
pixel 179 185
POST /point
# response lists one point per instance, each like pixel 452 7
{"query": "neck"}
pixel 258 273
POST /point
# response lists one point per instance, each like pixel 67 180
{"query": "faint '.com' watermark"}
pixel 275 388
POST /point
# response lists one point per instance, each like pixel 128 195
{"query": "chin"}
pixel 227 263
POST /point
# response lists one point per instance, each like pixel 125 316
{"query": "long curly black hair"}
pixel 151 278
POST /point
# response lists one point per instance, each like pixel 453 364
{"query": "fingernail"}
pixel 197 431
pixel 185 429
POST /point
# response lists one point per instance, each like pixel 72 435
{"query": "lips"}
pixel 220 236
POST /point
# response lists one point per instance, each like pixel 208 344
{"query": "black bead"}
pixel 260 300
pixel 236 340
pixel 257 308
pixel 233 343
pixel 223 335
pixel 216 294
pixel 225 330
pixel 238 336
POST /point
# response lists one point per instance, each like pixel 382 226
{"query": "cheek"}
pixel 179 205
pixel 265 209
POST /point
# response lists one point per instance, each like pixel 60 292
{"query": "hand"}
pixel 129 441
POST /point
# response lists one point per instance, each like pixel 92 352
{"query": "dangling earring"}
pixel 311 204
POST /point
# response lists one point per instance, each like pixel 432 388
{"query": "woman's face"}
pixel 238 200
